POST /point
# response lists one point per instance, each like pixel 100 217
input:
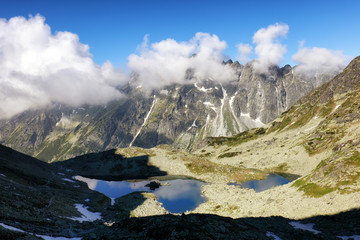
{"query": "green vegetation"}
pixel 229 154
pixel 338 173
pixel 312 189
pixel 239 138
pixel 235 174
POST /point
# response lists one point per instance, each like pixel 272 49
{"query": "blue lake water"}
pixel 272 180
pixel 177 196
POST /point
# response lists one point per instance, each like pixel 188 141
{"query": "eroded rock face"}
pixel 180 115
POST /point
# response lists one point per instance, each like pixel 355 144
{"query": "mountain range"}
pixel 178 115
pixel 315 143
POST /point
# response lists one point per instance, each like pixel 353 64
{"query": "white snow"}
pixel 37 235
pixel 249 122
pixel 336 107
pixel 11 228
pixel 3 175
pixel 60 173
pixel 68 180
pixel 306 227
pixel 202 89
pixel 56 238
pixel 355 237
pixel 87 200
pixel 207 123
pixel 219 121
pixel 64 122
pixel 245 114
pixel 87 216
pixel 231 102
pixel 208 104
pixel 145 120
pixel 270 234
pixel 194 124
pixel 164 92
pixel 259 122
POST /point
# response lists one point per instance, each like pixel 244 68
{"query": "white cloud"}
pixel 167 61
pixel 244 51
pixel 320 60
pixel 268 47
pixel 38 67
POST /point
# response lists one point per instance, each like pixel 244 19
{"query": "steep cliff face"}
pixel 181 115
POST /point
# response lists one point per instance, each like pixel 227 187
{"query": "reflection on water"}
pixel 178 196
pixel 272 180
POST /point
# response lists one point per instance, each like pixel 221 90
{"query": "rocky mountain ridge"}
pixel 179 115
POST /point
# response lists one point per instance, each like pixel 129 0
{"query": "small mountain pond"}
pixel 177 195
pixel 272 180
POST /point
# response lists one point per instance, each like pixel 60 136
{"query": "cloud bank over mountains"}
pixel 38 68
pixel 166 62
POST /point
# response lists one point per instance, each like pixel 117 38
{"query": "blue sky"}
pixel 114 29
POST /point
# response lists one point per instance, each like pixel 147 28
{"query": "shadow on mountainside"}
pixel 209 226
pixel 110 165
pixel 39 198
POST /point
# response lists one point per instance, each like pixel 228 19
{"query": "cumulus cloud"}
pixel 166 62
pixel 38 68
pixel 320 60
pixel 244 51
pixel 268 47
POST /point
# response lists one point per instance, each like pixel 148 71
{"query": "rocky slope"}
pixel 41 201
pixel 179 115
pixel 317 138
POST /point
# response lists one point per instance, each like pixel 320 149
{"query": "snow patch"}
pixel 11 228
pixel 208 104
pixel 221 130
pixel 60 173
pixel 306 227
pixel 231 103
pixel 37 235
pixel 56 238
pixel 87 216
pixel 336 107
pixel 68 180
pixel 194 124
pixel 145 120
pixel 64 122
pixel 92 183
pixel 164 92
pixel 3 175
pixel 259 122
pixel 202 89
pixel 270 234
pixel 249 122
pixel 354 237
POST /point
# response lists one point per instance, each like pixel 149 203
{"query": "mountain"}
pixel 41 201
pixel 317 138
pixel 179 115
